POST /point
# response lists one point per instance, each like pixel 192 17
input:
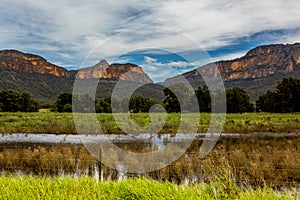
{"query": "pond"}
pixel 248 158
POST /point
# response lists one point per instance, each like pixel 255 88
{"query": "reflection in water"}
pixel 249 159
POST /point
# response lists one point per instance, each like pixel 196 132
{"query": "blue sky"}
pixel 164 37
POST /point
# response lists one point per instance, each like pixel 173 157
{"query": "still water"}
pixel 248 158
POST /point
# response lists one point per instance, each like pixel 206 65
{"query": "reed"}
pixel 250 161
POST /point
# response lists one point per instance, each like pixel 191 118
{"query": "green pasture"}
pixel 62 123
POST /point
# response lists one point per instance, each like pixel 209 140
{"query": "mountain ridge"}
pixel 18 60
pixel 257 71
pixel 32 63
pixel 256 59
pixel 45 81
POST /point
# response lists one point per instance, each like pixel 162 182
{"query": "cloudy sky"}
pixel 160 35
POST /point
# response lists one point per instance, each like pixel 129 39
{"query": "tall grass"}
pixel 87 188
pixel 251 161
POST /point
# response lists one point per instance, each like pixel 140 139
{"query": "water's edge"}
pixel 145 137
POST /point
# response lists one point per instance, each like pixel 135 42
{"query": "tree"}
pixel 10 100
pixel 218 101
pixel 285 98
pixel 171 102
pixel 141 104
pixel 64 102
pixel 288 94
pixel 268 102
pixel 27 103
pixel 83 103
pixel 203 98
pixel 238 101
pixel 103 106
pixel 178 98
pixel 13 101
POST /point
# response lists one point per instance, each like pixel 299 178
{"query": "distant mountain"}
pixel 19 61
pixel 30 63
pixel 126 72
pixel 45 81
pixel 257 71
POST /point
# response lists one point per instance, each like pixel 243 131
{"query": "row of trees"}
pixel 13 101
pixel 285 98
pixel 238 101
pixel 85 103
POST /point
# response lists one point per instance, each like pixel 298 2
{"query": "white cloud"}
pixel 175 64
pixel 159 71
pixel 149 60
pixel 163 74
pixel 150 68
pixel 77 27
pixel 230 56
pixel 180 64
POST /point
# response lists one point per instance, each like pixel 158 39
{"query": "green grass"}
pixel 87 188
pixel 62 123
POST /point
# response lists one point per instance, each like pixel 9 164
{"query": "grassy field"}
pixel 253 161
pixel 62 123
pixel 87 188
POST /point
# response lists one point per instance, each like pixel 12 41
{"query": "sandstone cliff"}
pixel 260 62
pixel 103 70
pixel 19 61
pixel 16 60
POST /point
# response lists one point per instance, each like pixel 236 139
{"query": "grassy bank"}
pixel 59 123
pixel 87 188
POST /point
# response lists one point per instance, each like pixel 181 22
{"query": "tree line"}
pixel 238 101
pixel 285 98
pixel 14 101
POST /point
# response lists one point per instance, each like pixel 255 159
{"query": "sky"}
pixel 165 37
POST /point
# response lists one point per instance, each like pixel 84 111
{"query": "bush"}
pixel 13 101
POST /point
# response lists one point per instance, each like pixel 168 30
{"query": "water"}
pixel 151 138
pixel 275 157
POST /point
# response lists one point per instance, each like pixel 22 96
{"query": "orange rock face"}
pixel 30 63
pixel 35 64
pixel 259 62
pixel 129 72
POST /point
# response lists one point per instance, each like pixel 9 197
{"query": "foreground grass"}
pixel 62 123
pixel 87 188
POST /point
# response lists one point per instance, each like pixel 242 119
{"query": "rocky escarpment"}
pixel 103 70
pixel 16 60
pixel 19 61
pixel 260 62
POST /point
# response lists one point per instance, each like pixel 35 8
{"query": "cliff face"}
pixel 30 63
pixel 260 62
pixel 257 71
pixel 103 70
